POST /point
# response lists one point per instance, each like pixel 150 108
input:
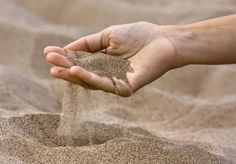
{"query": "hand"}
pixel 150 53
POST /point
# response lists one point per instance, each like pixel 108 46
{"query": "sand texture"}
pixel 101 64
pixel 187 116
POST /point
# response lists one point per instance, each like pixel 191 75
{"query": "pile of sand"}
pixel 35 135
pixel 187 116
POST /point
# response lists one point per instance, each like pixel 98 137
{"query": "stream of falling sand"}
pixel 76 104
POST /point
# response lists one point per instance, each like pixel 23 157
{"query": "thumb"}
pixel 90 43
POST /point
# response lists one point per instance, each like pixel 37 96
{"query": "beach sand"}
pixel 187 116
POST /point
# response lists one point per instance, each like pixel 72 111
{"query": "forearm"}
pixel 207 42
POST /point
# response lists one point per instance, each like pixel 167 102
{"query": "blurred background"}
pixel 27 26
pixel 193 104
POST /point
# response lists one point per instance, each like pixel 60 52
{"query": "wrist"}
pixel 176 35
pixel 199 43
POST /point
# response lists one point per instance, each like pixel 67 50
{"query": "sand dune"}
pixel 21 93
pixel 91 13
pixel 187 116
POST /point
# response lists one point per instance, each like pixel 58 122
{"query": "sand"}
pixel 76 103
pixel 101 64
pixel 187 116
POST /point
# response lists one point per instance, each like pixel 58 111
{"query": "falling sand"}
pixel 76 100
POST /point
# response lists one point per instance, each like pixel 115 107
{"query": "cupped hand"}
pixel 145 45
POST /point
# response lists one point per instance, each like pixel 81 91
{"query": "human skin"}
pixel 151 49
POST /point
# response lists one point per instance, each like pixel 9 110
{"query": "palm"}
pixel 149 53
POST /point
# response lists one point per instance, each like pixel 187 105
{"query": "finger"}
pixel 49 49
pixel 64 73
pixel 58 60
pixel 69 53
pixel 90 43
pixel 137 78
pixel 122 88
pixel 101 83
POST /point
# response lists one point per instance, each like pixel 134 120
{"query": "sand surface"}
pixel 187 116
pixel 102 64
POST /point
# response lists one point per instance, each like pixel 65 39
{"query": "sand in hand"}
pixel 76 100
pixel 101 64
